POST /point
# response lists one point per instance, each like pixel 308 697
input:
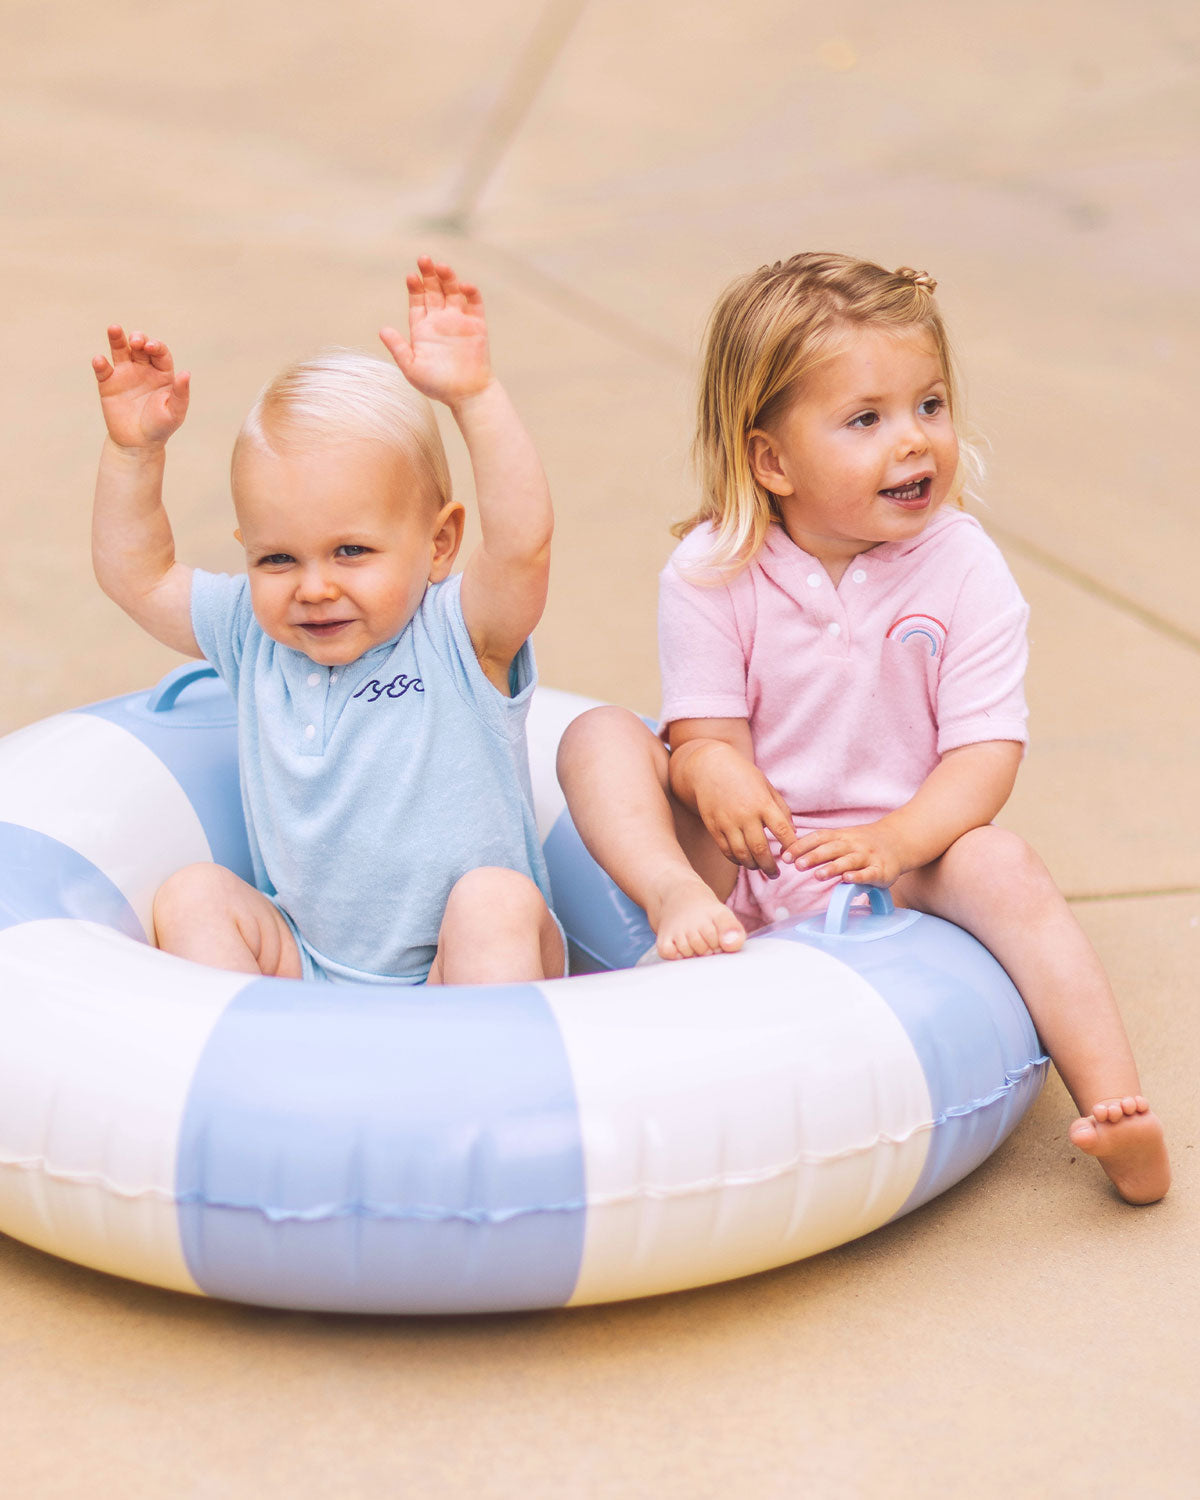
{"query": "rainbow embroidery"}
pixel 928 631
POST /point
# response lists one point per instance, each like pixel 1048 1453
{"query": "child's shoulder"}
pixel 695 564
pixel 693 551
pixel 956 538
pixel 955 557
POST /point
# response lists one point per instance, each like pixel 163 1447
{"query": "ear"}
pixel 446 540
pixel 765 463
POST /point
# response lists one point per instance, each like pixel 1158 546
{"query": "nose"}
pixel 316 584
pixel 911 438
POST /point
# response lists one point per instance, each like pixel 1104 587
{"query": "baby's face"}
pixel 340 542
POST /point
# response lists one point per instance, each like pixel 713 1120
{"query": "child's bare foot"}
pixel 1126 1137
pixel 690 921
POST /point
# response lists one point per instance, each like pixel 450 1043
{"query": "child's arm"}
pixel 712 771
pixel 965 790
pixel 143 400
pixel 446 358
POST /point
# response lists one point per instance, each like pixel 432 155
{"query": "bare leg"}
pixel 497 929
pixel 994 885
pixel 614 772
pixel 205 913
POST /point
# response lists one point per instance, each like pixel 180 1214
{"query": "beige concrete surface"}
pixel 249 181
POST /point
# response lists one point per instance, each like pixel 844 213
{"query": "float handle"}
pixel 164 695
pixel 839 906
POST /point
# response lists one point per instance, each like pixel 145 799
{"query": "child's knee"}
pixel 195 893
pixel 594 733
pixel 1004 863
pixel 494 897
pixel 185 890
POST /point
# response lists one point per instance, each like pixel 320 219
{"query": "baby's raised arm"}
pixel 446 357
pixel 143 400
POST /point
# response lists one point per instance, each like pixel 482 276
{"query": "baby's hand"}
pixel 868 854
pixel 739 806
pixel 142 397
pixel 446 354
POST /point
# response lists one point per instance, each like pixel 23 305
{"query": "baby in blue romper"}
pixel 381 701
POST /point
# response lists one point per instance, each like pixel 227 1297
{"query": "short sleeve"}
pixel 981 686
pixel 701 653
pixel 443 622
pixel 221 619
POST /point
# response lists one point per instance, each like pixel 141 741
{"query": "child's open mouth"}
pixel 914 495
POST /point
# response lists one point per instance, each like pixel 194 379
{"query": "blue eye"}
pixel 276 560
pixel 352 549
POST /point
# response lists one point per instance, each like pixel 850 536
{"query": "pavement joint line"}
pixel 1086 898
pixel 1055 564
pixel 581 308
pixel 546 42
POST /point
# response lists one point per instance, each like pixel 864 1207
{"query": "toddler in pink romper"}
pixel 853 693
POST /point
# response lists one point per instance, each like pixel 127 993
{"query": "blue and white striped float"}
pixel 610 1135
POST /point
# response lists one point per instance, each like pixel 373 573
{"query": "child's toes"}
pixel 1083 1134
pixel 730 932
pixel 705 938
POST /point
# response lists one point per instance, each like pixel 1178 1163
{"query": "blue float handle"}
pixel 164 695
pixel 839 906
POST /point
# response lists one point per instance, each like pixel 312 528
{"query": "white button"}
pixel 814 580
pixel 313 678
pixel 781 913
pixel 859 576
pixel 834 628
pixel 333 676
pixel 310 731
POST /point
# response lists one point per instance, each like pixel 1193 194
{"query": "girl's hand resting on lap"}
pixel 736 802
pixel 869 854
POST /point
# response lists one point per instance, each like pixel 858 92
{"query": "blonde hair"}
pixel 769 330
pixel 342 394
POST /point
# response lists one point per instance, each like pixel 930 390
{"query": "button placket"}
pixel 311 710
pixel 836 624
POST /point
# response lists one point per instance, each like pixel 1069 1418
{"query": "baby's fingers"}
pixel 451 288
pixel 118 344
pixel 398 347
pixel 103 370
pixel 158 354
pixel 431 282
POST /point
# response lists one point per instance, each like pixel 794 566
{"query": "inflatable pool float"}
pixel 626 1131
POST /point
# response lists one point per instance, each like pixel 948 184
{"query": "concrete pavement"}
pixel 249 181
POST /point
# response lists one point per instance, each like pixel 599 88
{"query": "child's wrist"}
pixel 464 408
pixel 903 841
pixel 685 767
pixel 136 453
